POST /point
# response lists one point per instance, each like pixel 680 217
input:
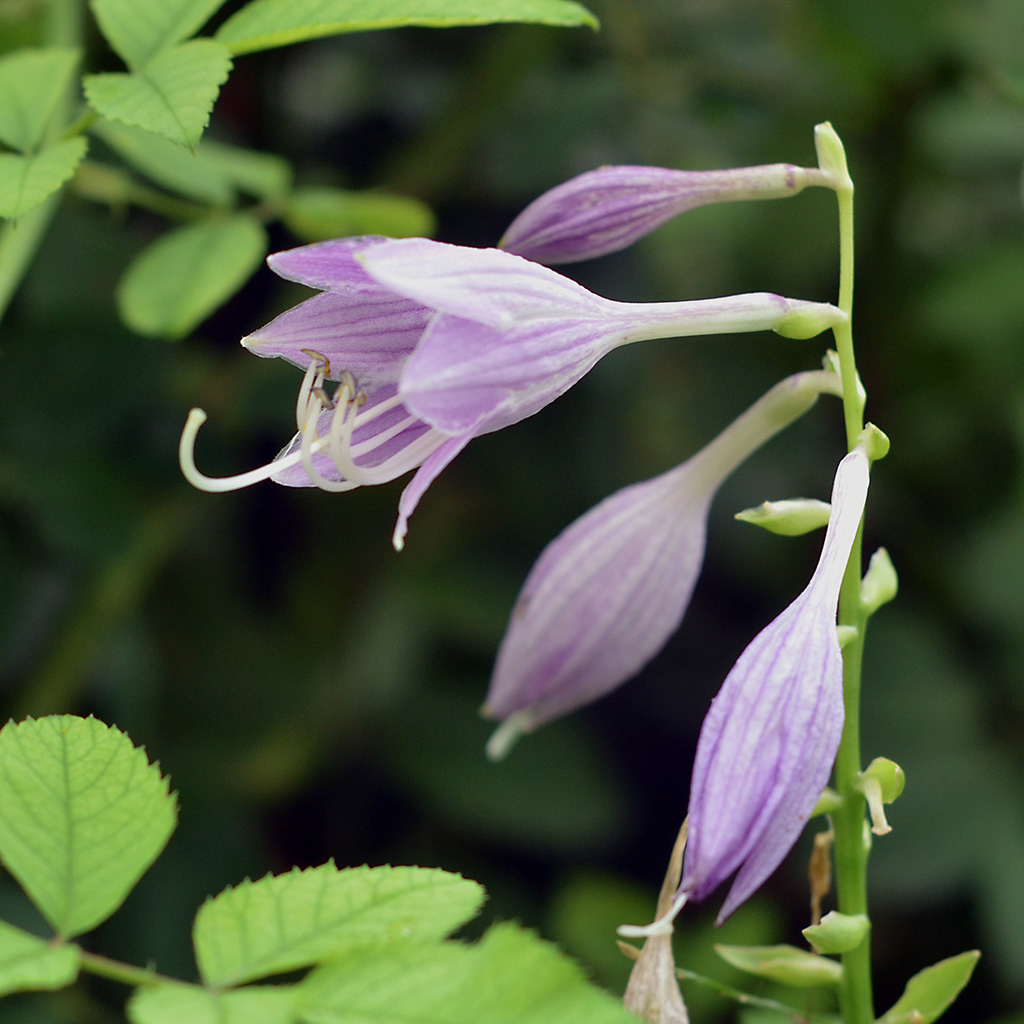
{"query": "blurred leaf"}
pixel 930 992
pixel 210 175
pixel 184 276
pixel 509 977
pixel 317 214
pixel 190 1004
pixel 28 963
pixel 31 84
pixel 139 29
pixel 785 964
pixel 82 815
pixel 263 24
pixel 25 181
pixel 171 95
pixel 284 922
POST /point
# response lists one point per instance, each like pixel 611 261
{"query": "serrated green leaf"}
pixel 509 977
pixel 171 95
pixel 82 815
pixel 316 214
pixel 181 278
pixel 263 24
pixel 138 29
pixel 930 992
pixel 30 964
pixel 782 963
pixel 31 85
pixel 284 922
pixel 25 181
pixel 190 1004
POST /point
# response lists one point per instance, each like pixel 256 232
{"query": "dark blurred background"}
pixel 313 694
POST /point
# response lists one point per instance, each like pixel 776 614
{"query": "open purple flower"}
pixel 769 741
pixel 608 209
pixel 609 591
pixel 435 344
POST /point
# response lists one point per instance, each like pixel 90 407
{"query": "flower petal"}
pixel 328 266
pixel 608 209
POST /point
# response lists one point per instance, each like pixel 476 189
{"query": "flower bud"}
pixel 838 933
pixel 880 583
pixel 790 517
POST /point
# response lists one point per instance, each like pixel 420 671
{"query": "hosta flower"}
pixel 608 592
pixel 608 209
pixel 769 741
pixel 434 344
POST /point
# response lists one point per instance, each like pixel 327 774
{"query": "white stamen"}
pixel 309 438
pixel 519 723
pixel 310 384
pixel 662 926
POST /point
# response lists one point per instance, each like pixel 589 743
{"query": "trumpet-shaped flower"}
pixel 435 344
pixel 769 741
pixel 607 593
pixel 608 209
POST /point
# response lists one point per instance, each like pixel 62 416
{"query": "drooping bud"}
pixel 881 783
pixel 790 517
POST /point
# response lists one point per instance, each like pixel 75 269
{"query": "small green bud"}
pixel 832 157
pixel 828 803
pixel 838 933
pixel 810 321
pixel 790 517
pixel 786 964
pixel 881 783
pixel 880 582
pixel 845 635
pixel 873 443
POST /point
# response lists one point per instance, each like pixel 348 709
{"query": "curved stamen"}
pixel 222 484
pixel 309 438
pixel 312 380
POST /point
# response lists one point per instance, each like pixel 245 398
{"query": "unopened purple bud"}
pixel 608 209
pixel 768 743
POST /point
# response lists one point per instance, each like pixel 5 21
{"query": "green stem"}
pixel 127 974
pixel 851 848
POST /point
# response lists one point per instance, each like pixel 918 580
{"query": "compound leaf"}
pixel 82 815
pixel 28 963
pixel 171 95
pixel 25 181
pixel 181 278
pixel 177 1004
pixel 285 922
pixel 31 84
pixel 263 24
pixel 138 29
pixel 509 977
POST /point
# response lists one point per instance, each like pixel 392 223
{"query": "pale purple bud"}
pixel 609 591
pixel 608 209
pixel 769 741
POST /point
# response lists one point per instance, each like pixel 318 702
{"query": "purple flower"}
pixel 607 593
pixel 608 209
pixel 435 344
pixel 768 743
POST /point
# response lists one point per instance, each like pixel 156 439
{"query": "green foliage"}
pixel 315 214
pixel 930 992
pixel 182 277
pixel 786 964
pixel 509 977
pixel 263 24
pixel 82 815
pixel 301 918
pixel 138 29
pixel 177 1003
pixel 29 963
pixel 25 181
pixel 172 94
pixel 32 82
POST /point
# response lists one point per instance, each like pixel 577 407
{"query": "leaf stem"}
pixel 127 974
